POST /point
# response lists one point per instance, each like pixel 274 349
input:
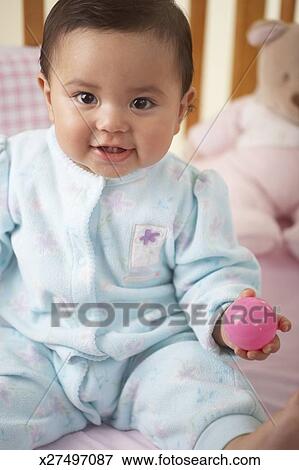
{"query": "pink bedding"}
pixel 273 380
pixel 278 377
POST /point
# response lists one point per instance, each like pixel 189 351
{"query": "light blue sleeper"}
pixel 109 293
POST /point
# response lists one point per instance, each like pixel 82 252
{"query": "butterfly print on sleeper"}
pixel 164 204
pixel 146 245
pixel 118 202
pixel 144 258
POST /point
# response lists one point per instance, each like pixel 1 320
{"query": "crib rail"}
pixel 244 63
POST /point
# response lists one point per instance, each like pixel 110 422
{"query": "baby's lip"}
pixel 110 155
pixel 115 146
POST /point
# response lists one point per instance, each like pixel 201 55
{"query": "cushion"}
pixel 22 103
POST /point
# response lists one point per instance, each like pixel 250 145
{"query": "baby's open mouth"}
pixel 112 149
pixel 112 154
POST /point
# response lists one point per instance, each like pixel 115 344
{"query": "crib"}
pixel 22 107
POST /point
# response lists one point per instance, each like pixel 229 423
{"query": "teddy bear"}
pixel 254 144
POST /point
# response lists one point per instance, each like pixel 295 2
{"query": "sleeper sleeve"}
pixel 211 268
pixel 6 222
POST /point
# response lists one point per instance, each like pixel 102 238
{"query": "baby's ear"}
pixel 265 31
pixel 46 90
pixel 187 102
pixel 185 105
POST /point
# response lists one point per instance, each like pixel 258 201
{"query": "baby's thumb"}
pixel 247 293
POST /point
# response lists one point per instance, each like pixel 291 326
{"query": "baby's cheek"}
pixel 159 140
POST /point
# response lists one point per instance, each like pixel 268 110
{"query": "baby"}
pixel 117 260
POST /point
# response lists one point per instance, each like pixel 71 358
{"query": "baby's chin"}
pixel 109 170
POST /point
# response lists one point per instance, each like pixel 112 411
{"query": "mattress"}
pixel 277 378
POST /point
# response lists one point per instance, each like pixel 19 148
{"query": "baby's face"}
pixel 114 89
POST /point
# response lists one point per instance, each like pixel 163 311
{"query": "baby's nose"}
pixel 112 120
pixel 295 99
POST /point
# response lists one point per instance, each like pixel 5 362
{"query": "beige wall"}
pixel 11 32
pixel 48 5
pixel 11 21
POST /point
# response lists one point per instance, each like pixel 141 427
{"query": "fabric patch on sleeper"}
pixel 146 245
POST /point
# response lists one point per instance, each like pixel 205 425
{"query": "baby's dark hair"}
pixel 161 17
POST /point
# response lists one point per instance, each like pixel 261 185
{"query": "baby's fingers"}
pixel 250 355
pixel 240 352
pixel 257 355
pixel 260 355
pixel 283 323
pixel 273 346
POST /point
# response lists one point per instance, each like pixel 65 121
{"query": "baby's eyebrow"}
pixel 141 89
pixel 147 89
pixel 78 82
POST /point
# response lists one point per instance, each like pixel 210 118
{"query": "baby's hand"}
pixel 283 324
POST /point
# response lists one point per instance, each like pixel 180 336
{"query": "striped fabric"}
pixel 22 104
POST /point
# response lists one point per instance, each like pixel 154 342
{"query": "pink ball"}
pixel 250 323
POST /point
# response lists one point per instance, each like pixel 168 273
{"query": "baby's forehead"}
pixel 149 39
pixel 115 50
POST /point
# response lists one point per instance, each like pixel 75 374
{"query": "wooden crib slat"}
pixel 33 21
pixel 197 22
pixel 287 11
pixel 244 69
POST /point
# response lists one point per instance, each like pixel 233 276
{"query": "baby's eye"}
pixel 141 103
pixel 86 98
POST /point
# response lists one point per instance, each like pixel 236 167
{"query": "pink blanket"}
pixel 278 377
